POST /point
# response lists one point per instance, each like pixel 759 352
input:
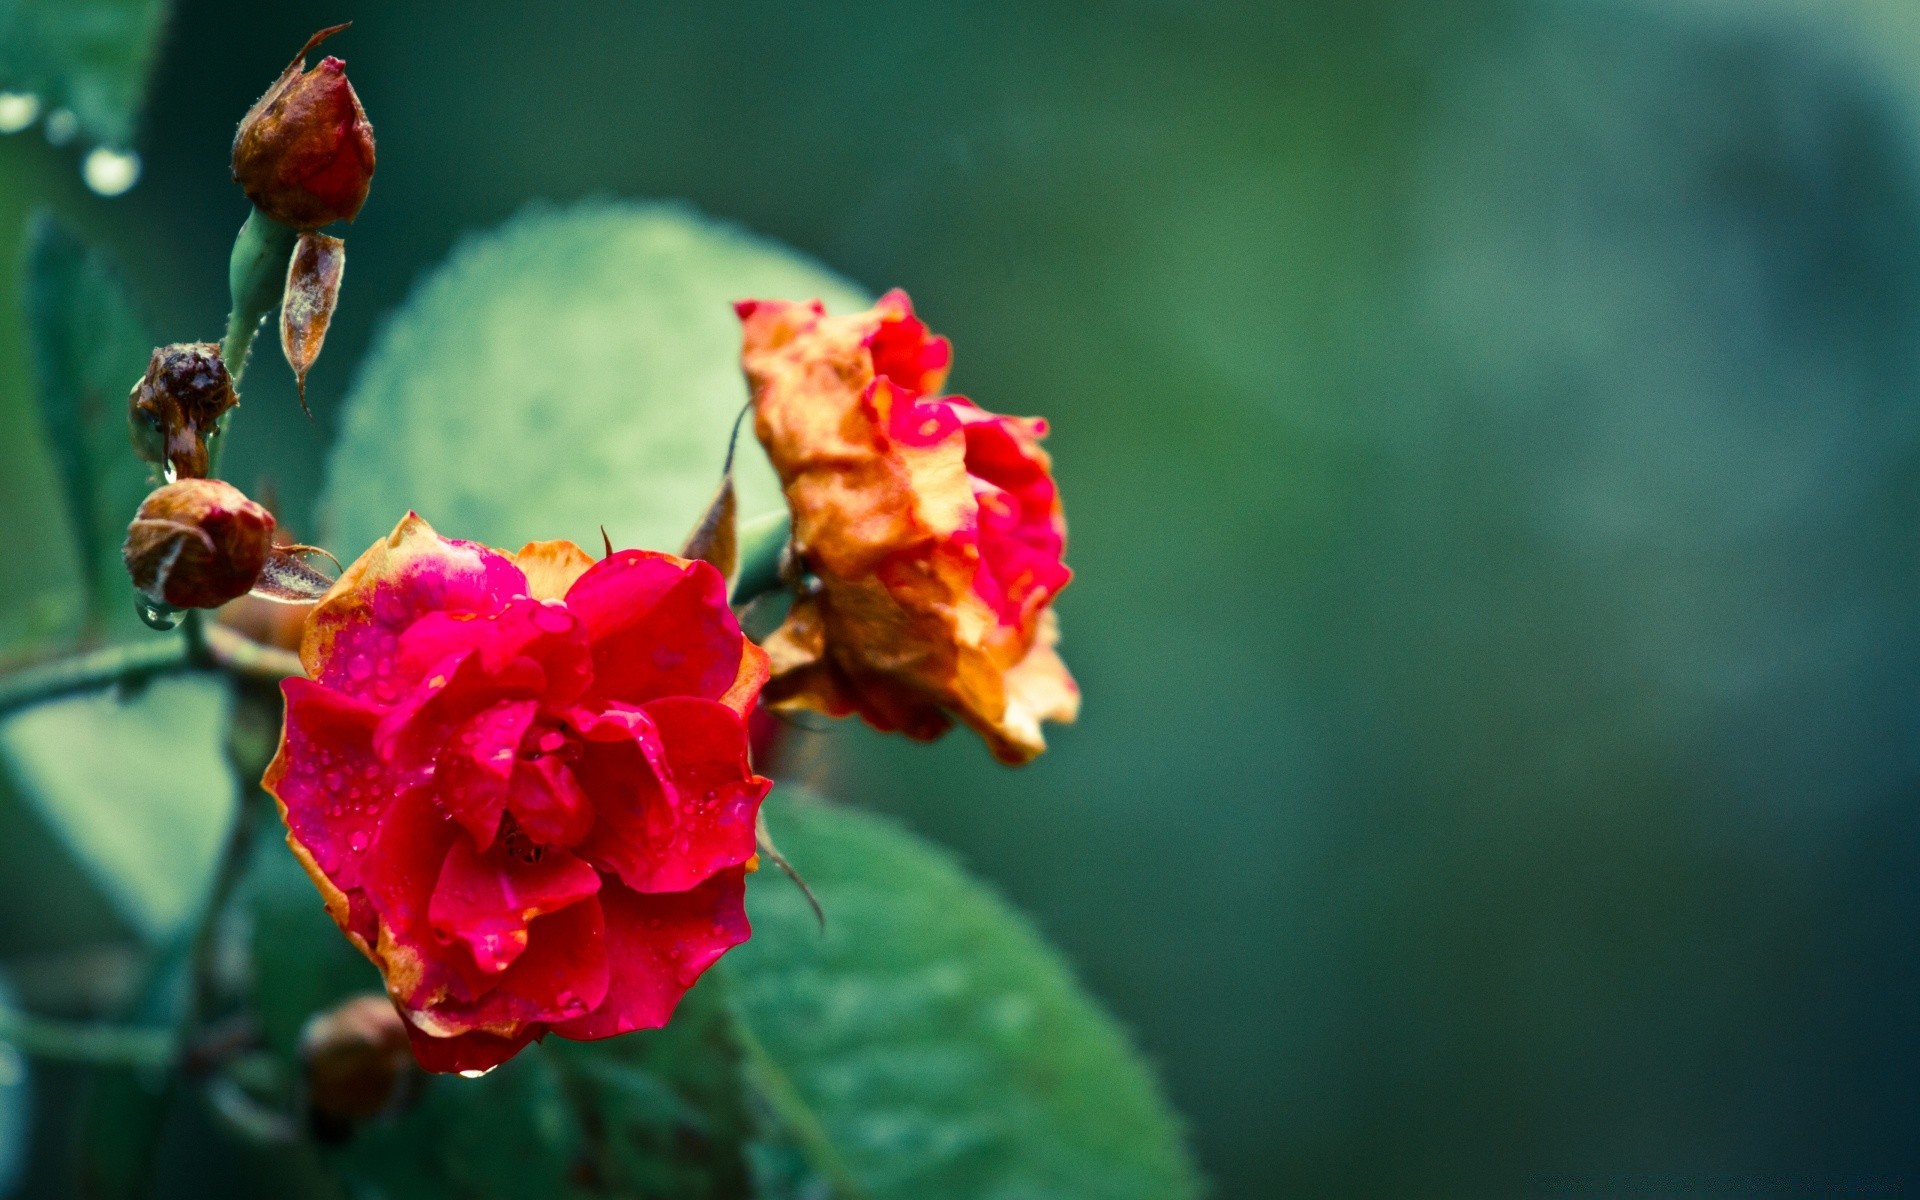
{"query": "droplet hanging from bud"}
pixel 197 543
pixel 304 152
pixel 177 405
pixel 313 288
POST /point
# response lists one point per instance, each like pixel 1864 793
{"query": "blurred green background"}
pixel 1491 439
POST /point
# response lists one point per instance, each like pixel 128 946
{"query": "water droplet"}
pixel 476 1074
pixel 358 841
pixel 334 781
pixel 110 172
pixel 358 667
pixel 61 126
pixel 18 110
pixel 156 615
pixel 168 471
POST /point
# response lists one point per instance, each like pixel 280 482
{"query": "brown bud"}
pixel 358 1065
pixel 177 404
pixel 197 543
pixel 304 151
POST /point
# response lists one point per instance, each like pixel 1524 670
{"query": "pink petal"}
pixel 486 900
pixel 659 627
pixel 333 785
pixel 353 635
pixel 476 769
pixel 549 803
pixel 677 803
pixel 658 946
pixel 563 973
pixel 466 1051
pixel 544 633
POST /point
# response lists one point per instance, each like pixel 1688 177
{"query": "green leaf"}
pixel 137 788
pixel 933 1039
pixel 664 1109
pixel 16 1108
pixel 89 347
pixel 89 57
pixel 575 368
pixel 509 1136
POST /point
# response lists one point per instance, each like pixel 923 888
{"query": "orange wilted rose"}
pixel 933 526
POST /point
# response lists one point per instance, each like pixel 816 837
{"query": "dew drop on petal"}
pixel 18 110
pixel 476 1074
pixel 358 841
pixel 358 667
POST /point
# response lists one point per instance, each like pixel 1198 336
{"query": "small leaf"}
pixel 576 367
pixel 288 579
pixel 88 348
pixel 313 289
pixel 936 1043
pixel 137 788
pixel 716 538
pixel 91 58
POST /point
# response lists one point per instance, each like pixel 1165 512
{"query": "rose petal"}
pixel 659 626
pixel 549 803
pixel 551 567
pixel 353 633
pixel 329 782
pixel 657 947
pixel 486 900
pixel 563 973
pixel 476 770
pixel 465 1051
pixel 678 802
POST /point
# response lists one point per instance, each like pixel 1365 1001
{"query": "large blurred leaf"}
pixel 16 1108
pixel 138 789
pixel 90 57
pixel 89 346
pixel 575 368
pixel 941 1048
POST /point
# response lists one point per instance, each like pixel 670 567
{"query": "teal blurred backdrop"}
pixel 1491 439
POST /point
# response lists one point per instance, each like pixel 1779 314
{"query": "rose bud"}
pixel 304 151
pixel 177 405
pixel 358 1065
pixel 197 543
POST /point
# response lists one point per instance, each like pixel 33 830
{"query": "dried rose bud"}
pixel 197 543
pixel 177 404
pixel 358 1064
pixel 304 151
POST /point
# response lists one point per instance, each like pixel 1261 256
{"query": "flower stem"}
pixel 796 1115
pixel 256 276
pixel 91 672
pixel 87 1041
pixel 763 544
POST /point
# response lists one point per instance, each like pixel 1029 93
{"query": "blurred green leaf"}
pixel 575 368
pixel 509 1135
pixel 664 1109
pixel 89 57
pixel 89 346
pixel 137 787
pixel 940 1046
pixel 122 1112
pixel 16 1108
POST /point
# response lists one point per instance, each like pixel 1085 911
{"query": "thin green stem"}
pixel 256 277
pixel 91 672
pixel 796 1115
pixel 87 1041
pixel 220 648
pixel 763 544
